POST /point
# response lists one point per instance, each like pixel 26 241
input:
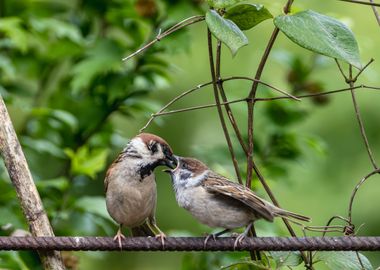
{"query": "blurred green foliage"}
pixel 60 63
pixel 74 103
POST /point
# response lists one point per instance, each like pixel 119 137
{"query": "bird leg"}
pixel 214 236
pixel 119 235
pixel 241 237
pixel 158 233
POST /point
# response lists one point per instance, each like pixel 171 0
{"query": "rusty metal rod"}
pixel 192 243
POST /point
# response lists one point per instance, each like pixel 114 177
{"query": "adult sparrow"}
pixel 131 188
pixel 216 201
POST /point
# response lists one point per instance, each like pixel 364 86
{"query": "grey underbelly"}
pixel 130 206
pixel 218 212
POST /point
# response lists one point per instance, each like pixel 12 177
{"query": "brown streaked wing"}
pixel 216 183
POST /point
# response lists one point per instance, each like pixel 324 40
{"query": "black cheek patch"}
pixel 184 175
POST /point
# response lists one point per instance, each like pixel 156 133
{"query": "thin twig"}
pixel 199 107
pixel 361 2
pixel 255 255
pixel 160 112
pixel 377 16
pixel 172 102
pixel 336 217
pixel 251 102
pixel 319 94
pixel 178 26
pixel 341 70
pixel 226 106
pixel 361 182
pixel 218 105
pixel 26 190
pixel 360 120
pixel 362 69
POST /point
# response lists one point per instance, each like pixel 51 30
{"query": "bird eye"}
pixel 184 166
pixel 152 147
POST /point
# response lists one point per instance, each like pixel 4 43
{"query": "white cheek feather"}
pixel 195 181
pixel 184 188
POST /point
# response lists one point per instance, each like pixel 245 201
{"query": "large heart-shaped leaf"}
pixel 226 31
pixel 222 3
pixel 346 260
pixel 321 34
pixel 246 16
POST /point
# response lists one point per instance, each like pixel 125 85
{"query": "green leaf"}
pixel 7 70
pixel 12 260
pixel 60 183
pixel 87 162
pixel 94 205
pixel 12 27
pixel 222 3
pixel 43 146
pixel 321 34
pixel 246 16
pixel 284 113
pixel 11 217
pixel 284 145
pixel 63 116
pixel 226 31
pixel 57 28
pixel 346 260
pixel 104 57
pixel 285 258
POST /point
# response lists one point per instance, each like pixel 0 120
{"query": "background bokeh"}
pixel 75 104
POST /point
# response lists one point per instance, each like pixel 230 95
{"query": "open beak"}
pixel 171 161
pixel 172 164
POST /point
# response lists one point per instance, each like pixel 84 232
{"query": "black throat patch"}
pixel 147 170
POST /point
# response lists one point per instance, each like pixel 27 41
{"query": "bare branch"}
pixel 251 102
pixel 319 94
pixel 198 107
pixel 361 182
pixel 172 102
pixel 360 120
pixel 226 106
pixel 178 26
pixel 217 101
pixel 161 111
pixel 341 70
pixel 361 2
pixel 362 129
pixel 362 69
pixel 27 193
pixel 377 16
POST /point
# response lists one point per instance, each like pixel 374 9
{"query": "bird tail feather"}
pixel 290 216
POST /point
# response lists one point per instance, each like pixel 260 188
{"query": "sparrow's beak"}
pixel 174 162
pixel 171 161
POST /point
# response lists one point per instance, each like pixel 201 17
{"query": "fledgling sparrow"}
pixel 130 184
pixel 216 201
